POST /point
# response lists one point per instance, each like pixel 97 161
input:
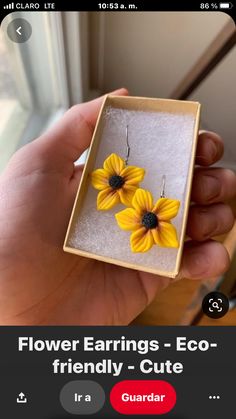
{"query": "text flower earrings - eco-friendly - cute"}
pixel 149 223
pixel 116 182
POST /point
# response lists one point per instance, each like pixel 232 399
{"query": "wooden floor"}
pixel 170 305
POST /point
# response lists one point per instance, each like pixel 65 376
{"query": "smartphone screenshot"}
pixel 117 210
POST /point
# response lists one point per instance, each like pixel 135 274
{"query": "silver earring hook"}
pixel 127 145
pixel 163 186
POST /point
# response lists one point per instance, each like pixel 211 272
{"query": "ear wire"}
pixel 163 186
pixel 127 146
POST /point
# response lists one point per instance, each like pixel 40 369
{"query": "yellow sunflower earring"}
pixel 116 181
pixel 150 223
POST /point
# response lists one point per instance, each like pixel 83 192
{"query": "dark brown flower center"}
pixel 150 220
pixel 116 181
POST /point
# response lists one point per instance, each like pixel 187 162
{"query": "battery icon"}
pixel 226 5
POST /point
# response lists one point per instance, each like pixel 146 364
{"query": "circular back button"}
pixel 82 397
pixel 19 30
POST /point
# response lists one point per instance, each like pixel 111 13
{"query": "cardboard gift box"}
pixel 162 136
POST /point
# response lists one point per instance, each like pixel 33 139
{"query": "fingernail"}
pixel 212 149
pixel 211 187
pixel 198 264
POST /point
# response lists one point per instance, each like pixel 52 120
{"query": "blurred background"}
pixel 75 56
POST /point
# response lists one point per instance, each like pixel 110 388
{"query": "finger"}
pixel 213 185
pixel 75 179
pixel 205 222
pixel 72 135
pixel 203 261
pixel 210 148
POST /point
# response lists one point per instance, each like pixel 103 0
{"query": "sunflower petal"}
pixel 166 208
pixel 142 201
pixel 156 235
pixel 167 235
pixel 99 179
pixel 114 164
pixel 126 194
pixel 141 240
pixel 128 219
pixel 132 175
pixel 107 199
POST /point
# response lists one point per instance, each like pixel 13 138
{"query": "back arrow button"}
pixel 18 30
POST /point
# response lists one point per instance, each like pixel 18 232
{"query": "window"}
pixel 39 79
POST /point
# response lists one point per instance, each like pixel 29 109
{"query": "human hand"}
pixel 40 283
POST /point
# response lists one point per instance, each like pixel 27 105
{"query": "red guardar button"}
pixel 143 397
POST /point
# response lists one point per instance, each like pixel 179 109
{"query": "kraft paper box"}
pixel 162 136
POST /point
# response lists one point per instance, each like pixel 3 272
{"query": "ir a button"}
pixel 82 397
